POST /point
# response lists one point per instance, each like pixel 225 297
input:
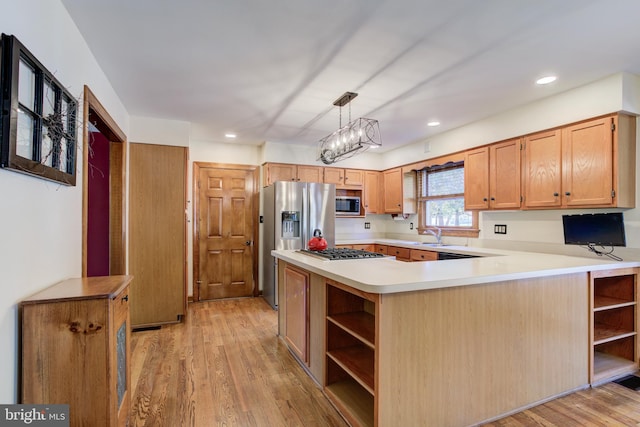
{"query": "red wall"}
pixel 98 211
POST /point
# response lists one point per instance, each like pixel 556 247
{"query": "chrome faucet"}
pixel 437 234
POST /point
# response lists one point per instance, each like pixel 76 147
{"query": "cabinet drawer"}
pixel 403 254
pixel 419 255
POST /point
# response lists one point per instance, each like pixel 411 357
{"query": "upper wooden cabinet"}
pixel 476 179
pixel 346 178
pixel 541 169
pixel 588 164
pixel 392 190
pixel 273 172
pixel 399 192
pixel 372 192
pixel 492 176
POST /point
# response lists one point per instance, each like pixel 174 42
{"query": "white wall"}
pixel 41 242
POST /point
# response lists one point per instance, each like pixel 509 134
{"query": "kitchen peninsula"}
pixel 457 342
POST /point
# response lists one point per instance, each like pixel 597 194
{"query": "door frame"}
pixel 255 214
pixel 118 148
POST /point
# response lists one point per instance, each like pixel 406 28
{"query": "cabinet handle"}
pixel 125 298
pixel 567 193
pixel 555 194
pixel 493 199
pixel 484 199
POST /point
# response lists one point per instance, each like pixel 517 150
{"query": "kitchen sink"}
pixel 435 245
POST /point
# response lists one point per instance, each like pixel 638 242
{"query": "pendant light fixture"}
pixel 355 137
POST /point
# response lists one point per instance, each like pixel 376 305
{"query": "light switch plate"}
pixel 500 229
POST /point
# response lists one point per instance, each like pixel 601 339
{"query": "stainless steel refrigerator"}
pixel 292 211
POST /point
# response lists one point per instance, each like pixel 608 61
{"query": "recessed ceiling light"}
pixel 546 80
pixel 433 123
pixel 230 135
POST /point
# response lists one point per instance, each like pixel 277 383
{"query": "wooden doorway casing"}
pixel 254 171
pixel 93 112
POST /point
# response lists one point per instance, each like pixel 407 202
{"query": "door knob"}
pixel 247 243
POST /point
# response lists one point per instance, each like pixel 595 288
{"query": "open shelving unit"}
pixel 614 336
pixel 350 381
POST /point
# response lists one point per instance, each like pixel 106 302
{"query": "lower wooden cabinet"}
pixel 296 298
pixel 420 255
pixel 76 349
pixel 401 254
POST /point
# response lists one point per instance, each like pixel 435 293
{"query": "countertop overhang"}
pixel 387 275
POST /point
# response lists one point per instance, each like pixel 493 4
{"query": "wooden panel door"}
pixel 372 192
pixel 353 178
pixel 334 176
pixel 296 293
pixel 476 179
pixel 310 173
pixel 504 175
pixel 393 190
pixel 587 161
pixel 279 172
pixel 223 248
pixel 542 167
pixel 157 247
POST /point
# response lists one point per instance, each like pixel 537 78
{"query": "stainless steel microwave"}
pixel 347 205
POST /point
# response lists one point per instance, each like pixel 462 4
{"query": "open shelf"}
pixel 353 401
pixel 360 324
pixel 350 356
pixel 357 361
pixel 615 326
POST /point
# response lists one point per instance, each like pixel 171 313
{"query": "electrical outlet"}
pixel 500 229
pixel 410 226
pixel 367 225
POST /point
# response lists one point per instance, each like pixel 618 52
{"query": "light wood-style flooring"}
pixel 225 366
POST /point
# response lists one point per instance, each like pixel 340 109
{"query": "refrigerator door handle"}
pixel 305 217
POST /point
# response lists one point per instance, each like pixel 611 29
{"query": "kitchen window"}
pixel 441 201
pixel 37 118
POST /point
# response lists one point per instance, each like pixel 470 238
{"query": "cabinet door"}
pixel 587 162
pixel 334 176
pixel 279 172
pixel 393 190
pixel 372 192
pixel 420 255
pixel 120 358
pixel 310 173
pixel 542 179
pixel 504 175
pixel 296 291
pixel 353 178
pixel 476 179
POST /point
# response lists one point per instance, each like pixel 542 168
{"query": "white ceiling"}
pixel 271 70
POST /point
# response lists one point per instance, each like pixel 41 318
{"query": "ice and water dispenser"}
pixel 290 224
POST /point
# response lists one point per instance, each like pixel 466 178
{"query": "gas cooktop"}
pixel 334 254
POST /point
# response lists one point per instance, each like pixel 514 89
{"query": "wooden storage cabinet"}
pixel 614 326
pixel 392 190
pixel 351 346
pixel 420 255
pixel 587 164
pixel 492 176
pixel 344 178
pixel 401 254
pixel 273 172
pixel 76 349
pixel 296 294
pixel 372 192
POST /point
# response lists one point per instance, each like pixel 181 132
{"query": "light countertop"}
pixel 387 275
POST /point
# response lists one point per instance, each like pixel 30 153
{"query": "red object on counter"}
pixel 317 242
